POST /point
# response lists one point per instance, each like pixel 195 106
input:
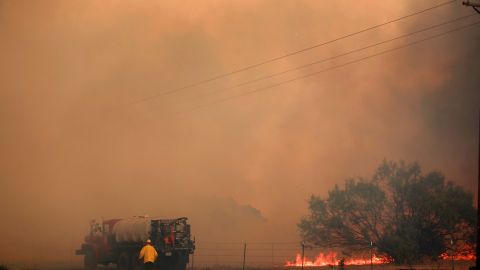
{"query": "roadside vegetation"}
pixel 400 211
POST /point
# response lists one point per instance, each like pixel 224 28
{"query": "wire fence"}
pixel 213 254
pixel 250 255
pixel 227 255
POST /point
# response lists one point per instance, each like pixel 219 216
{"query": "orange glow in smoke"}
pixel 331 259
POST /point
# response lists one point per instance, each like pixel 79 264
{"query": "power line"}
pixel 327 59
pixel 171 91
pixel 328 69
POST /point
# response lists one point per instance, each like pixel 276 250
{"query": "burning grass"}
pixel 330 259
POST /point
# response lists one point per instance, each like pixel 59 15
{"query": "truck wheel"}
pixel 178 263
pixel 180 266
pixel 90 260
pixel 167 264
pixel 123 261
pixel 135 262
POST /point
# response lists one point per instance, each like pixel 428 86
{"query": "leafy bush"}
pixel 400 211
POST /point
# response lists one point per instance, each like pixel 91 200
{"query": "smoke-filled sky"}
pixel 78 141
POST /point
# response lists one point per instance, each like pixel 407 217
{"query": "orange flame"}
pixel 331 259
pixel 465 252
pixel 458 257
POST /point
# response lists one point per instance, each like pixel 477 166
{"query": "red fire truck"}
pixel 119 241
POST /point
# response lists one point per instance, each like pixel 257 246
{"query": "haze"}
pixel 76 144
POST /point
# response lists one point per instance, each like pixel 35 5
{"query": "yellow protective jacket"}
pixel 148 253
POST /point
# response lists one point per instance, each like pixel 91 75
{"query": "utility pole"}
pixel 475 4
pixel 477 259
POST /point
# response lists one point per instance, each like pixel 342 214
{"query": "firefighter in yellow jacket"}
pixel 149 255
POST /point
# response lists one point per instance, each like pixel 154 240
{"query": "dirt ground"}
pixel 443 265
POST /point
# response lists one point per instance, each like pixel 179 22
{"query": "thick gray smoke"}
pixel 71 150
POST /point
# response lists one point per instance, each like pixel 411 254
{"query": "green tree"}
pixel 408 215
